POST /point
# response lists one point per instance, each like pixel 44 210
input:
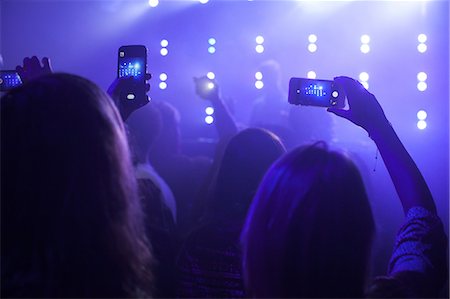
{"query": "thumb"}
pixel 340 112
pixel 46 65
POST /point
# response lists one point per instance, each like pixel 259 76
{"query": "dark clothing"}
pixel 209 263
pixel 160 228
pixel 185 176
pixel 418 267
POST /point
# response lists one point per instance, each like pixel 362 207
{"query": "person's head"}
pixel 247 157
pixel 70 219
pixel 168 141
pixel 144 127
pixel 271 71
pixel 309 229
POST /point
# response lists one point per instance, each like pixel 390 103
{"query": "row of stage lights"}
pixel 312 46
pixel 155 3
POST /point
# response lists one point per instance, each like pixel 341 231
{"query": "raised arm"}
pixel 224 122
pixel 365 111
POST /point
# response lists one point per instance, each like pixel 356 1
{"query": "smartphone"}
pixel 204 87
pixel 9 80
pixel 132 62
pixel 312 92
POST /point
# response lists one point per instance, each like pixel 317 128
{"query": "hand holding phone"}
pixel 129 90
pixel 206 88
pixel 312 92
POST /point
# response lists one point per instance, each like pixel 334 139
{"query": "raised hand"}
pixel 364 109
pixel 118 89
pixel 32 68
pixel 206 88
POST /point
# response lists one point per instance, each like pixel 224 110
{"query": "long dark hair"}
pixel 71 222
pixel 247 156
pixel 308 232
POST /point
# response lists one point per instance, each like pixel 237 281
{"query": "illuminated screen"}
pixel 9 80
pixel 131 67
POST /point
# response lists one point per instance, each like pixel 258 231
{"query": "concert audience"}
pixel 310 227
pixel 210 260
pixel 77 220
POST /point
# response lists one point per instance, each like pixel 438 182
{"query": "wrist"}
pixel 381 131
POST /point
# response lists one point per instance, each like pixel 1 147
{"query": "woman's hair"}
pixel 247 157
pixel 71 222
pixel 309 229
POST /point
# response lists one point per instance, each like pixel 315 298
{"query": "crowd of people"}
pixel 98 200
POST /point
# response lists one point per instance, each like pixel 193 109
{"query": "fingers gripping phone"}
pixel 312 92
pixel 204 87
pixel 9 80
pixel 132 62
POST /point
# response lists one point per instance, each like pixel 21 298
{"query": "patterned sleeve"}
pixel 421 246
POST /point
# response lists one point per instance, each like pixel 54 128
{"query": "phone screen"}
pixel 132 62
pixel 312 92
pixel 132 67
pixel 9 80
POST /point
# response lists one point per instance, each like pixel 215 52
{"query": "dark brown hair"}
pixel 71 220
pixel 308 232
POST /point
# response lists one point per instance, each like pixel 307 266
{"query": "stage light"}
pixel 365 84
pixel 210 85
pixel 153 3
pixel 365 48
pixel 212 41
pixel 211 75
pixel 365 39
pixel 422 76
pixel 422 38
pixel 311 75
pixel 209 110
pixel 259 48
pixel 364 76
pixel 164 51
pixel 212 50
pixel 258 76
pixel 203 1
pixel 312 48
pixel 422 115
pixel 163 77
pixel 259 84
pixel 164 43
pixel 259 39
pixel 421 124
pixel 422 48
pixel 162 85
pixel 312 38
pixel 209 119
pixel 422 86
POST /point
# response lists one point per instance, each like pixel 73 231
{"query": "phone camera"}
pixel 131 96
pixel 335 94
pixel 122 54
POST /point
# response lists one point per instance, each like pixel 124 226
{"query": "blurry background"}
pixel 400 49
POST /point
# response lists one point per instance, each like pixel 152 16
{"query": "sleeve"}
pixel 421 247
